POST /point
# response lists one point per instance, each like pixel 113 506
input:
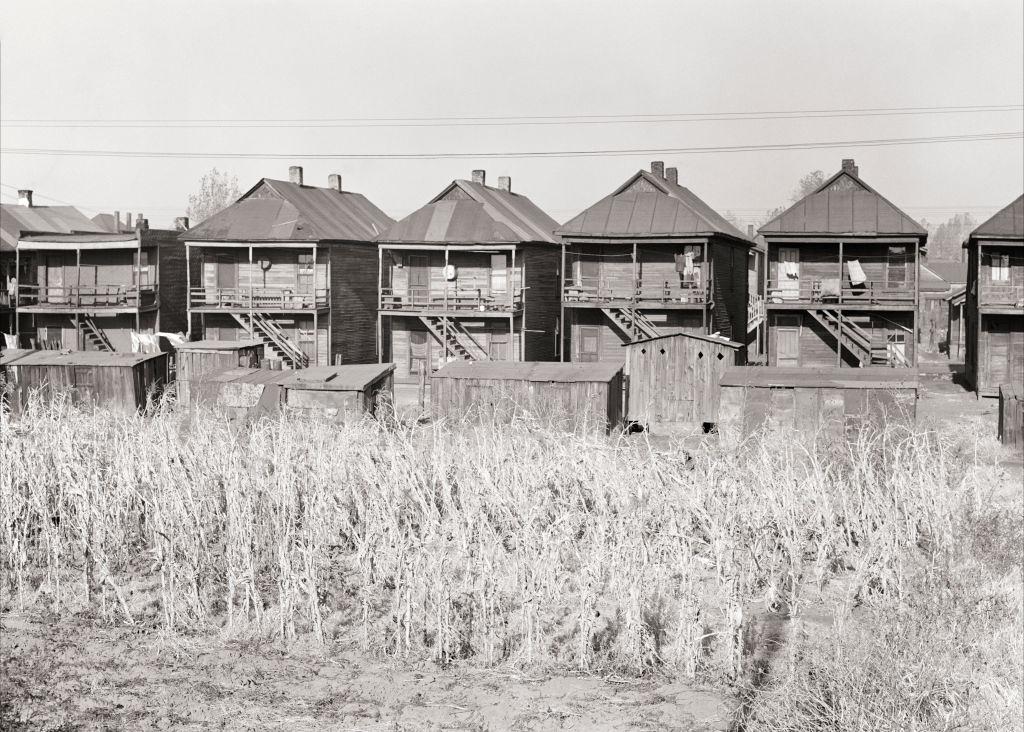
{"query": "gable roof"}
pixel 472 213
pixel 955 273
pixel 106 222
pixel 17 221
pixel 276 210
pixel 844 204
pixel 647 205
pixel 1006 224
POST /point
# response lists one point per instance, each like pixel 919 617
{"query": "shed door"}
pixel 787 342
pixel 590 344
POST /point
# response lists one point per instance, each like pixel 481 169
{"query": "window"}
pixel 896 267
pixel 1000 267
pixel 688 263
pixel 590 343
pixel 304 275
pixel 143 268
pixel 499 273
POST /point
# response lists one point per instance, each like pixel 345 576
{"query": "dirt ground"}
pixel 75 674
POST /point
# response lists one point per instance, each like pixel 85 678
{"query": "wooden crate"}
pixel 813 400
pixel 566 395
pixel 197 359
pixel 1011 415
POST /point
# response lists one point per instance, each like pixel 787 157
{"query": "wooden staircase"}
pixel 95 336
pixel 870 349
pixel 632 322
pixel 273 338
pixel 455 338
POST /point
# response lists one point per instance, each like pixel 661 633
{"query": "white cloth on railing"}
pixel 136 343
pixel 10 341
pixel 177 340
pixel 857 276
pixel 791 270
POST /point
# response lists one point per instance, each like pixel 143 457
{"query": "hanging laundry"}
pixel 10 341
pixel 856 272
pixel 791 270
pixel 136 343
pixel 688 268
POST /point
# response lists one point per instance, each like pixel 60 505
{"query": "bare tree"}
pixel 217 191
pixel 945 241
pixel 807 185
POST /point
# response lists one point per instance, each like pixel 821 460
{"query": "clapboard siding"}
pixel 473 270
pixel 399 347
pixel 820 260
pixel 817 346
pixel 353 318
pixel 172 280
pixel 729 265
pixel 612 340
pixel 540 302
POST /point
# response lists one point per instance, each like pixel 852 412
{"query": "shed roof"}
pixel 830 378
pixel 718 340
pixel 75 358
pixel 1008 223
pixel 354 377
pixel 243 375
pixel 530 371
pixel 277 210
pixel 472 213
pixel 844 204
pixel 647 205
pixel 958 296
pixel 16 221
pixel 212 345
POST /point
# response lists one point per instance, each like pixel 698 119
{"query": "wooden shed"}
pixel 569 395
pixel 199 358
pixel 674 379
pixel 814 399
pixel 1011 415
pixel 238 391
pixel 117 381
pixel 339 393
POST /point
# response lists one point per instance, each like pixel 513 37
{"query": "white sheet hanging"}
pixel 857 276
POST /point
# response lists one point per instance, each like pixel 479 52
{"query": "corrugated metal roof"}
pixel 16 221
pixel 277 210
pixel 1008 223
pixel 720 340
pixel 530 371
pixel 646 205
pixel 212 345
pixel 954 273
pixel 832 378
pixel 106 221
pixel 76 358
pixel 843 204
pixel 353 377
pixel 476 214
pixel 80 238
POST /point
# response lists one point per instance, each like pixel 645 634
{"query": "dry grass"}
pixel 515 545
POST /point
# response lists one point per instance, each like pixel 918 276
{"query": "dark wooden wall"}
pixel 541 301
pixel 729 266
pixel 172 280
pixel 122 388
pixel 354 293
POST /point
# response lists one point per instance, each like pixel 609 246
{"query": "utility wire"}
pixel 881 142
pixel 456 121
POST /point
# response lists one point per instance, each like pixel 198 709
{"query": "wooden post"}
pixel 636 285
pixel 708 279
pixel 17 294
pixel 444 321
pixel 839 335
pixel 188 291
pixel 917 298
pixel 316 322
pixel 252 330
pixel 78 296
pixel 380 337
pixel 561 303
pixel 423 386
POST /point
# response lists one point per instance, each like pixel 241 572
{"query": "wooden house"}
pixel 673 380
pixel 470 276
pixel 956 327
pixel 939 281
pixel 197 359
pixel 651 259
pixel 994 311
pixel 122 382
pixel 842 278
pixel 565 396
pixel 292 266
pixel 814 400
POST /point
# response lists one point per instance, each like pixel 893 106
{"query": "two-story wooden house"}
pixel 80 288
pixel 472 275
pixel 293 266
pixel 994 311
pixel 648 260
pixel 842 278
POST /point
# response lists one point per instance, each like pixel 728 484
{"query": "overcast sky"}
pixel 304 60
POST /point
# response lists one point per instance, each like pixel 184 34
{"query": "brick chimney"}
pixel 658 169
pixel 128 221
pixel 672 175
pixel 504 183
pixel 750 231
pixel 850 167
pixel 334 182
pixel 117 222
pixel 25 198
pixel 141 223
pixel 181 223
pixel 295 174
pixel 480 176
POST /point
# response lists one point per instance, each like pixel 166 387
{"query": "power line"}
pixel 511 120
pixel 881 142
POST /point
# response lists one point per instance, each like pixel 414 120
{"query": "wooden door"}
pixel 419 352
pixel 87 283
pixel 499 274
pixel 787 342
pixel 227 272
pixel 789 273
pixel 589 348
pixel 590 272
pixel 55 279
pixel 304 274
pixel 419 279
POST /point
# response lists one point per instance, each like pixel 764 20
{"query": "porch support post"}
pixel 561 303
pixel 444 322
pixel 188 291
pixel 17 292
pixel 316 321
pixel 839 335
pixel 252 330
pixel 636 284
pixel 917 301
pixel 78 295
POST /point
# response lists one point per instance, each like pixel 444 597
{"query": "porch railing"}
pixel 992 293
pixel 451 299
pixel 86 296
pixel 642 291
pixel 258 298
pixel 834 290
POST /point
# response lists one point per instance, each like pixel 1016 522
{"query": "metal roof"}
pixel 277 210
pixel 244 375
pixel 843 204
pixel 828 378
pixel 212 345
pixel 76 358
pixel 719 340
pixel 471 213
pixel 954 273
pixel 354 377
pixel 107 223
pixel 17 221
pixel 647 205
pixel 1006 224
pixel 530 371
pixel 80 238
